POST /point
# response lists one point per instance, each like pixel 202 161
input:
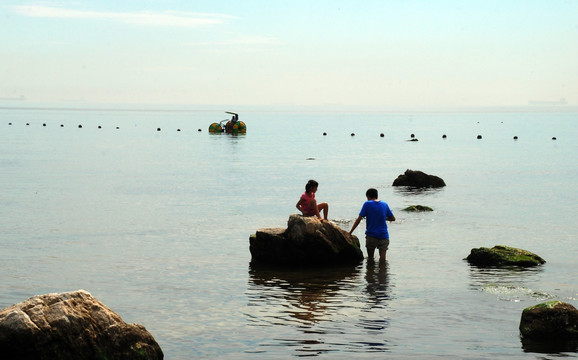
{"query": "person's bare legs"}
pixel 382 255
pixel 325 208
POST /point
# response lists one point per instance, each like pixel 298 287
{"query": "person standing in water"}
pixel 377 213
pixel 308 205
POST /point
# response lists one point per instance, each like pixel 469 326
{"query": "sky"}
pixel 403 53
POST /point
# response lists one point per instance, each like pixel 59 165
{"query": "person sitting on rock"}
pixel 308 205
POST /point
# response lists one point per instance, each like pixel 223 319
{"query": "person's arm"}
pixel 298 205
pixel 357 221
pixel 389 215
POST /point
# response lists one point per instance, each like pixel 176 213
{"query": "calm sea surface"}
pixel 156 225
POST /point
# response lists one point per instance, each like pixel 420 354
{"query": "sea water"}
pixel 151 214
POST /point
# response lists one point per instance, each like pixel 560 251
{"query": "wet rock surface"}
pixel 550 321
pixel 71 325
pixel 305 241
pixel 501 255
pixel 418 179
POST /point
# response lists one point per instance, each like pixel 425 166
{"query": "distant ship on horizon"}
pixel 18 98
pixel 562 101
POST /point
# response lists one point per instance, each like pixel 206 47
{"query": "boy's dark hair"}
pixel 310 185
pixel 371 193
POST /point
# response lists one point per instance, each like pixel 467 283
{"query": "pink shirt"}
pixel 306 205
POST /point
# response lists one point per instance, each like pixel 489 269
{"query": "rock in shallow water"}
pixel 305 241
pixel 418 179
pixel 550 321
pixel 417 208
pixel 71 325
pixel 501 255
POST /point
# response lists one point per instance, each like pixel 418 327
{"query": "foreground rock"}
pixel 550 321
pixel 501 255
pixel 72 325
pixel 305 241
pixel 418 179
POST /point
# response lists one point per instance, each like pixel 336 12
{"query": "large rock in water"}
pixel 550 321
pixel 501 255
pixel 72 325
pixel 305 241
pixel 418 179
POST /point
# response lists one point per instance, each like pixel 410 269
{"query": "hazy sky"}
pixel 311 52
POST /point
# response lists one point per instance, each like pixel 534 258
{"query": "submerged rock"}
pixel 305 241
pixel 417 208
pixel 501 255
pixel 550 321
pixel 418 179
pixel 71 325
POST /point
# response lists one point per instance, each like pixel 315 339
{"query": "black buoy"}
pixel 44 124
pixel 178 129
pixel 515 138
pixel 117 128
pixel 479 136
pixel 412 136
pixel 27 124
pixel 444 136
pixel 100 127
pixel 352 134
pixel 158 129
pixel 381 135
pixel 199 130
pixel 9 123
pixel 61 125
pixel 80 126
pixel 324 134
pixel 554 138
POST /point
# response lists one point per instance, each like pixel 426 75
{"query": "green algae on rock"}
pixel 417 208
pixel 501 255
pixel 551 321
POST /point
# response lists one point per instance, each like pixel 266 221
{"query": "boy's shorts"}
pixel 372 243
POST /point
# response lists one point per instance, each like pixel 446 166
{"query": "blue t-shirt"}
pixel 375 214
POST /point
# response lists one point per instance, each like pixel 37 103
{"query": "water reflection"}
pixel 415 191
pixel 480 276
pixel 301 295
pixel 318 311
pixel 377 287
pixel 550 347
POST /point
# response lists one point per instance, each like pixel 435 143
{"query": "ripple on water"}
pixel 317 307
pixel 516 293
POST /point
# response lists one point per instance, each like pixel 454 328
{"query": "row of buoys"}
pixel 99 126
pixel 243 129
pixel 178 130
pixel 62 125
pixel 444 136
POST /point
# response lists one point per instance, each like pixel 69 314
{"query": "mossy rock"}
pixel 545 305
pixel 501 255
pixel 417 208
pixel 550 321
